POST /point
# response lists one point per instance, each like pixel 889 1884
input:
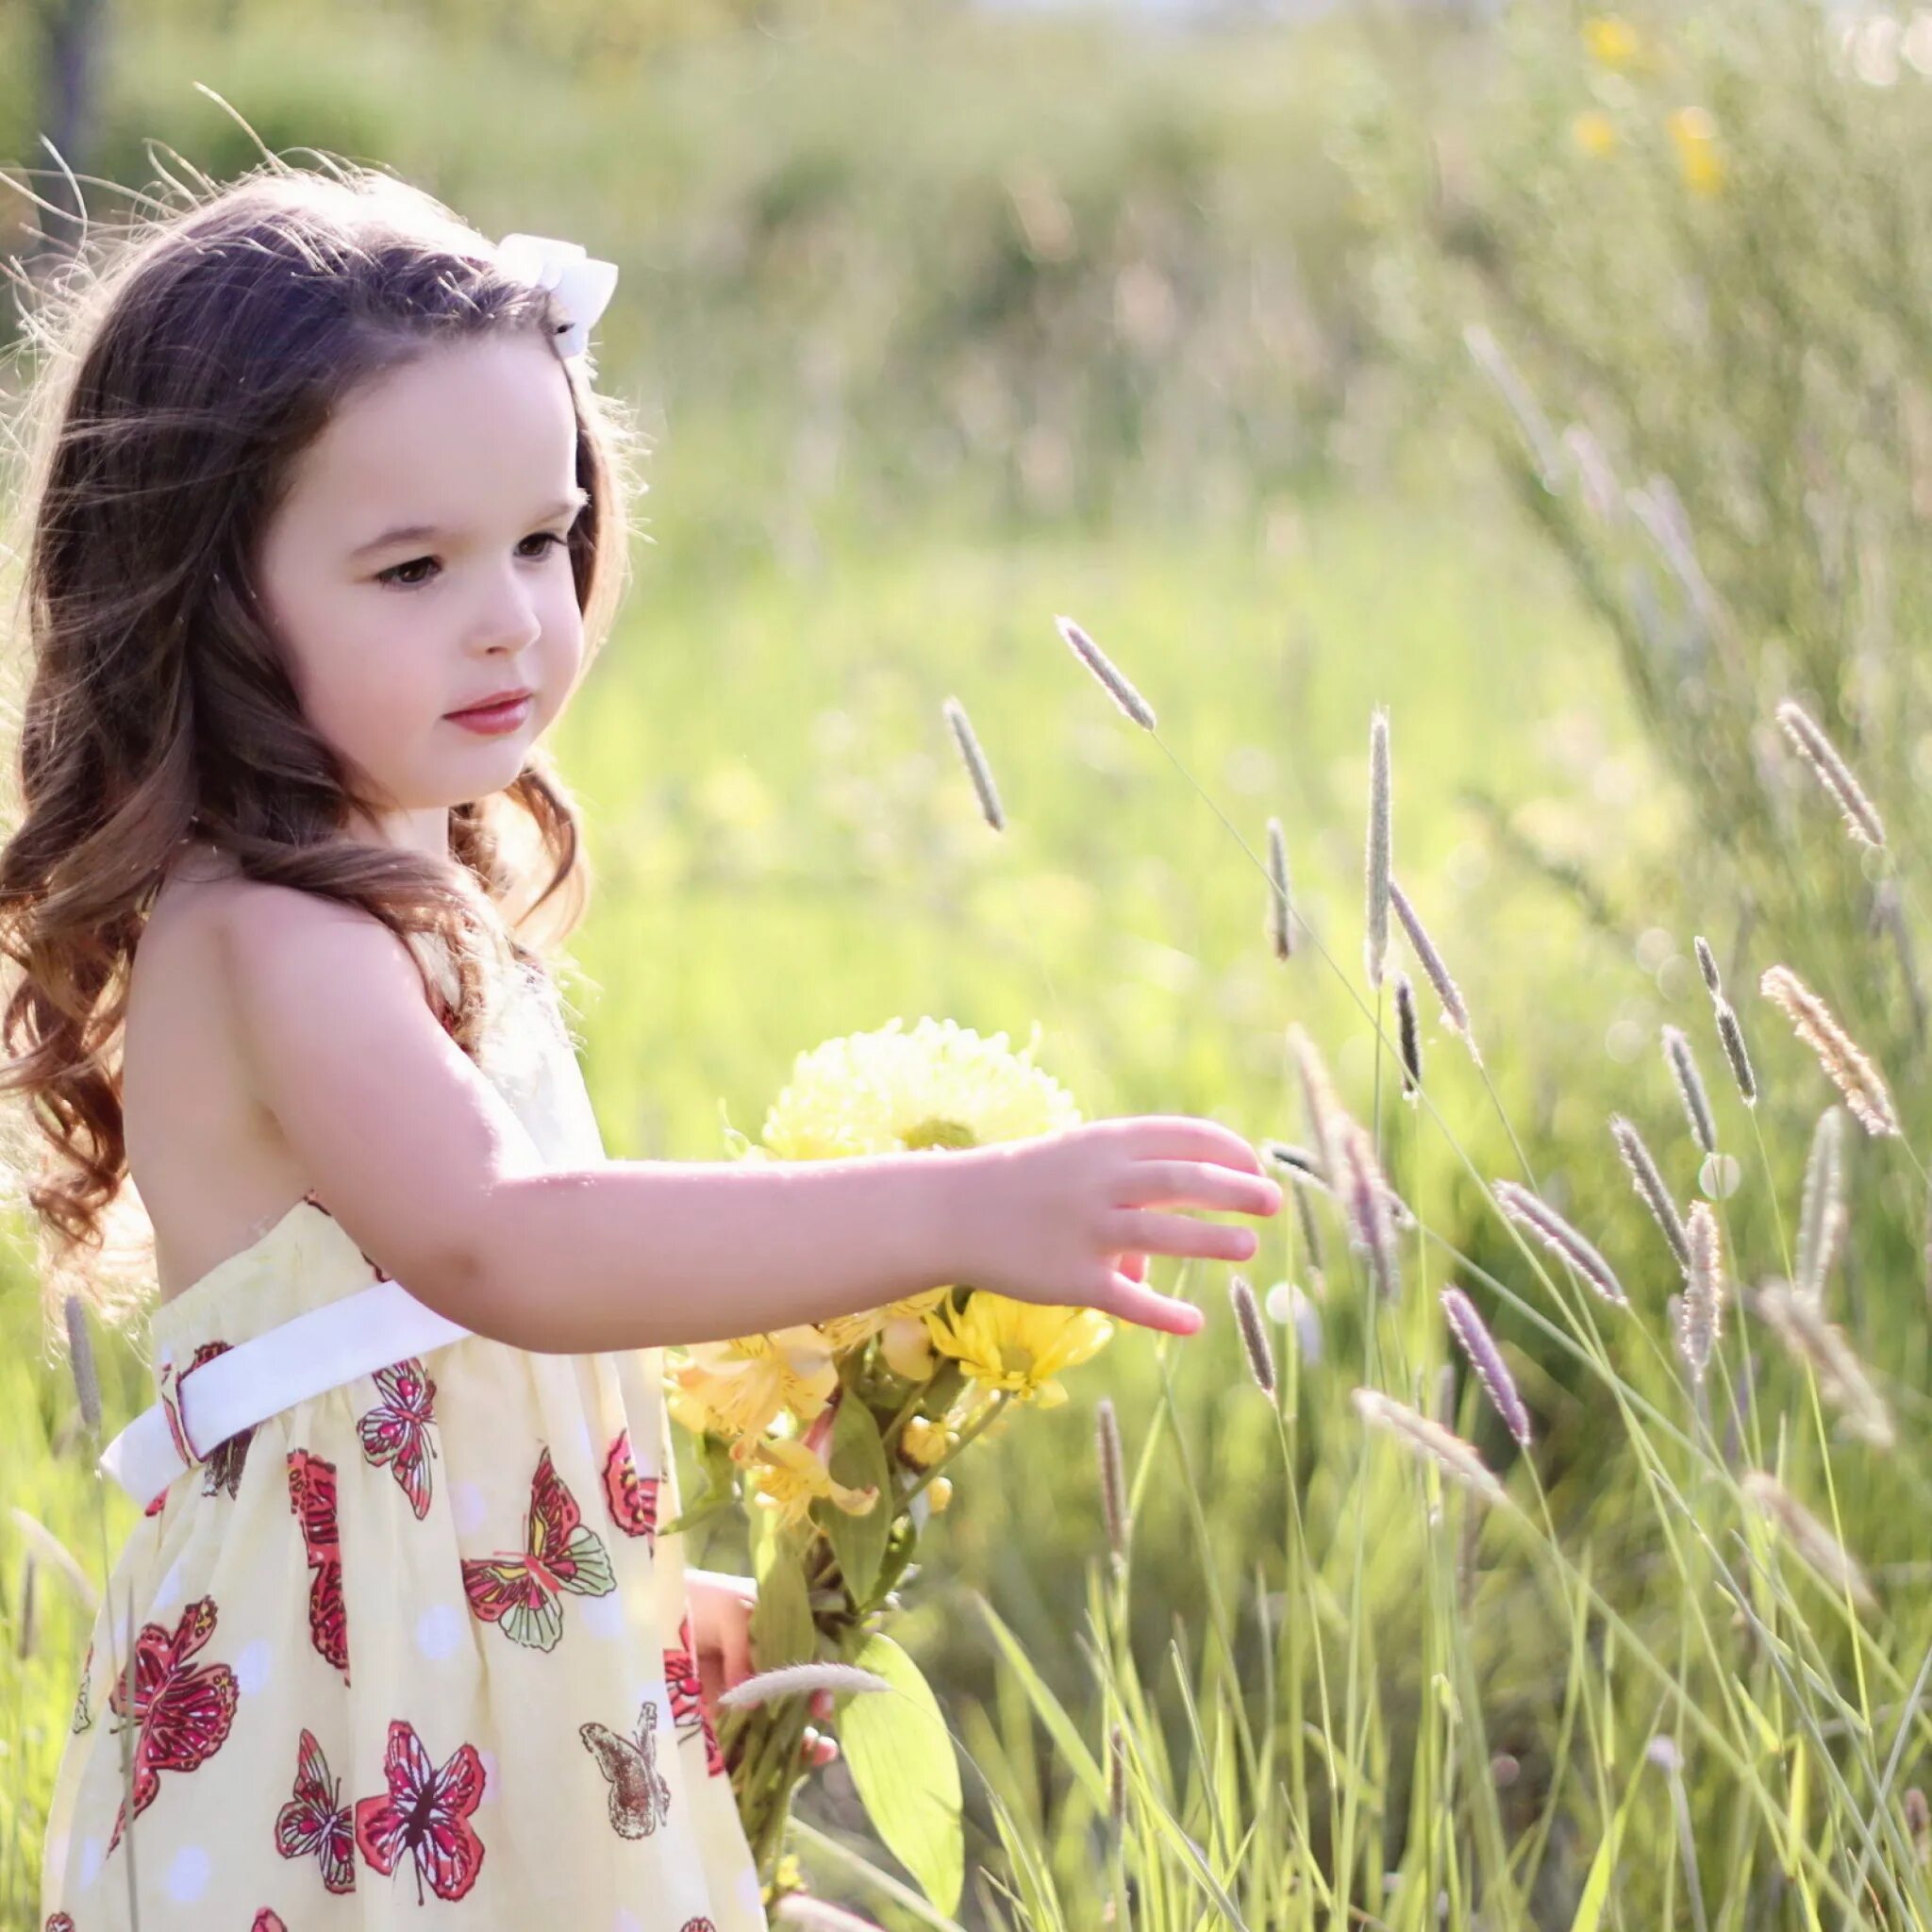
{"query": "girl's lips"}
pixel 495 720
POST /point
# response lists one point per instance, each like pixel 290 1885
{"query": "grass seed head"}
pixel 976 767
pixel 1557 1235
pixel 1280 905
pixel 1683 1066
pixel 1254 1333
pixel 1861 817
pixel 1849 1070
pixel 1650 1186
pixel 1485 1358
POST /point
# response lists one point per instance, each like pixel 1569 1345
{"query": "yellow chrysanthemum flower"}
pixel 1018 1346
pixel 1694 135
pixel 1612 40
pixel 1594 132
pixel 790 1478
pixel 888 1092
pixel 739 1388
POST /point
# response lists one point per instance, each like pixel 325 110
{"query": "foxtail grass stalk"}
pixel 1650 1186
pixel 1845 1064
pixel 1690 1089
pixel 1860 815
pixel 1379 847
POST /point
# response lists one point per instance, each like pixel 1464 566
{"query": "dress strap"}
pixel 305 1356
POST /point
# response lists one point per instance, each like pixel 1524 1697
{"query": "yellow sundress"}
pixel 411 1651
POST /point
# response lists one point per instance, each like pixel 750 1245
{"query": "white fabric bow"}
pixel 580 285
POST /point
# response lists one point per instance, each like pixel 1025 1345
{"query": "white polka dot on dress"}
pixel 254 1666
pixel 604 1616
pixel 626 1921
pixel 92 1850
pixel 188 1874
pixel 169 1593
pixel 469 1506
pixel 439 1630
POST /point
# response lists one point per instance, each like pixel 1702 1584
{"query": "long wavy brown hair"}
pixel 180 368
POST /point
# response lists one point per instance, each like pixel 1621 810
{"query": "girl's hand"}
pixel 1069 1218
pixel 721 1608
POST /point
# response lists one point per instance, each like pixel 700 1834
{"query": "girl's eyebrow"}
pixel 420 533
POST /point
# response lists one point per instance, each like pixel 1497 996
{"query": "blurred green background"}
pixel 942 320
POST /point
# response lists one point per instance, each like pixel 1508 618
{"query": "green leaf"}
pixel 901 1758
pixel 782 1631
pixel 857 1460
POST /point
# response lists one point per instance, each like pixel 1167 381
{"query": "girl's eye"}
pixel 395 576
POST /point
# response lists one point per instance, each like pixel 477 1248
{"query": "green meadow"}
pixel 939 326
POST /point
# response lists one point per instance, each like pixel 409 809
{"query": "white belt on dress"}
pixel 307 1355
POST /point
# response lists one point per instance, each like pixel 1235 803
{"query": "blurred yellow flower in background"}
pixel 1594 132
pixel 1612 40
pixel 1694 135
pixel 1019 1346
pixel 790 1478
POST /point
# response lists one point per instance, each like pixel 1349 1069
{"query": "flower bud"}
pixel 939 1492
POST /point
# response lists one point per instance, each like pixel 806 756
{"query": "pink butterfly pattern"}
pixel 425 1815
pixel 633 1499
pixel 522 1593
pixel 313 1822
pixel 183 1709
pixel 688 1715
pixel 397 1430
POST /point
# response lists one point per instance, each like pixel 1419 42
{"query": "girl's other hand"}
pixel 721 1608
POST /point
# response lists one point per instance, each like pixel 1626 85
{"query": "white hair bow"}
pixel 580 285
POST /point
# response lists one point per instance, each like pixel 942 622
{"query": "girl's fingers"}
pixel 1134 1267
pixel 1199 1184
pixel 1181 1234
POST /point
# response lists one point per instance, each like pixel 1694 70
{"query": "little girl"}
pixel 325 519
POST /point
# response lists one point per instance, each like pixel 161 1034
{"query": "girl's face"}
pixel 417 567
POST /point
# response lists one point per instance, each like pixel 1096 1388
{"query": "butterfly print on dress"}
pixel 313 1821
pixel 183 1709
pixel 266 1921
pixel 83 1710
pixel 60 1923
pixel 633 1498
pixel 425 1815
pixel 397 1430
pixel 312 1496
pixel 640 1797
pixel 688 1712
pixel 224 1463
pixel 524 1594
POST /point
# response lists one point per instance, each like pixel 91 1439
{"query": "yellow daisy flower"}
pixel 1612 40
pixel 789 1477
pixel 1694 134
pixel 1594 132
pixel 1019 1346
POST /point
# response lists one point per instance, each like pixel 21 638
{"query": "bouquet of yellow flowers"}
pixel 834 1436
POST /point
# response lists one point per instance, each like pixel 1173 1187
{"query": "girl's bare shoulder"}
pixel 210 1166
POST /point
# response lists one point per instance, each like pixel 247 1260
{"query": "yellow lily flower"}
pixel 789 1477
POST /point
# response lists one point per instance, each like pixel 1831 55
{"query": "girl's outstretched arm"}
pixel 432 1175
pixel 423 1163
